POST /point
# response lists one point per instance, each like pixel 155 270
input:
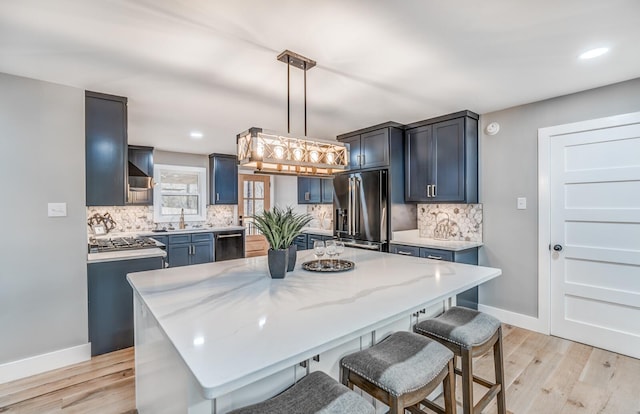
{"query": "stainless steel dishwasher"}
pixel 229 245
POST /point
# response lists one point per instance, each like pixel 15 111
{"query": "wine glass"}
pixel 318 250
pixel 331 250
pixel 339 248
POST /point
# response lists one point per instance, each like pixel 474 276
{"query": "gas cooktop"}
pixel 121 243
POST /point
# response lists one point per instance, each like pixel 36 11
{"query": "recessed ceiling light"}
pixel 590 54
pixel 196 134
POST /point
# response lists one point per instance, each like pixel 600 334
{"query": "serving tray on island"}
pixel 328 265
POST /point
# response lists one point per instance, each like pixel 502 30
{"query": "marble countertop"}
pixel 191 230
pixel 315 230
pixel 125 255
pixel 233 325
pixel 412 238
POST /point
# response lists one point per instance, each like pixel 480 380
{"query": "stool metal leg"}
pixel 499 368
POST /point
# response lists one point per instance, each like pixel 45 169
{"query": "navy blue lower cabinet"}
pixel 404 250
pixel 311 238
pixel 189 249
pixel 468 298
pixel 202 252
pixel 179 254
pixel 301 242
pixel 111 302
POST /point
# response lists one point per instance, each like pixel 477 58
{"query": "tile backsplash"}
pixel 450 221
pixel 140 218
pixel 322 216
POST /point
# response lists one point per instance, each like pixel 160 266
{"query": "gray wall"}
pixel 509 169
pixel 43 276
pixel 180 158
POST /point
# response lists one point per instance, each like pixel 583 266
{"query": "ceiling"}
pixel 211 66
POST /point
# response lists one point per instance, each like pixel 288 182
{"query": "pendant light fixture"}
pixel 273 153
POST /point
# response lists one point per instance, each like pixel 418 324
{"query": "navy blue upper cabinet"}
pixel 105 149
pixel 223 183
pixel 441 159
pixel 309 190
pixel 327 191
pixel 354 151
pixel 368 150
pixel 374 149
pixel 315 190
pixel 378 146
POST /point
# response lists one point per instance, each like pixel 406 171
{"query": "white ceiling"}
pixel 211 65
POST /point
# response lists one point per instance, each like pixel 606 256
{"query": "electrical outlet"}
pixel 57 209
pixel 522 203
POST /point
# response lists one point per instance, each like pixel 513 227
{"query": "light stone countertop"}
pixel 316 230
pixel 218 315
pixel 412 238
pixel 150 233
pixel 125 255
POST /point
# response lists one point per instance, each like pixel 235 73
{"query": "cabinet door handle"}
pixel 363 162
pixel 217 196
pixel 434 190
pixel 359 162
pixel 434 257
pixel 402 252
pixel 307 196
pixel 429 191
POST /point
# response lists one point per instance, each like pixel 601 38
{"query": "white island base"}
pixel 215 337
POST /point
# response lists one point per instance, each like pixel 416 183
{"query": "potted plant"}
pixel 280 227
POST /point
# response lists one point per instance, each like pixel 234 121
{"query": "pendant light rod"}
pixel 301 62
pixel 305 99
pixel 288 99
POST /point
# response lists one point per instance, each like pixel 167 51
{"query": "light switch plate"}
pixel 57 209
pixel 522 203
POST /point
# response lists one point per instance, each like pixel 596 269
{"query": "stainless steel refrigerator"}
pixel 361 209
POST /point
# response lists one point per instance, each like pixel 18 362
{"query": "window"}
pixel 179 189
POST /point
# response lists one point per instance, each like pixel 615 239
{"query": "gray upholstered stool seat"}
pixel 462 326
pixel 315 393
pixel 401 371
pixel 469 333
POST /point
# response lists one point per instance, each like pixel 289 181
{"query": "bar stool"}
pixel 315 393
pixel 401 371
pixel 469 333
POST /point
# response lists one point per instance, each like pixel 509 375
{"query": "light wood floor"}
pixel 544 374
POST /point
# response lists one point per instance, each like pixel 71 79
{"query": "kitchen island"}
pixel 213 337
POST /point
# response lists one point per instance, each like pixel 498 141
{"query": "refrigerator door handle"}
pixel 350 206
pixel 356 206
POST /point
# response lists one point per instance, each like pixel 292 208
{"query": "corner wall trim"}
pixel 37 364
pixel 517 319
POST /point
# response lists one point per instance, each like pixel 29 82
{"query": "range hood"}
pixel 138 180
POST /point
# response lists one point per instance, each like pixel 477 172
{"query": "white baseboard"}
pixel 37 364
pixel 516 319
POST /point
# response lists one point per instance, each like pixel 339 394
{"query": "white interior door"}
pixel 594 186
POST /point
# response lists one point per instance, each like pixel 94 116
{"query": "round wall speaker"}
pixel 492 128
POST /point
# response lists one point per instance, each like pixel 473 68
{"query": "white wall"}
pixel 43 275
pixel 285 193
pixel 508 169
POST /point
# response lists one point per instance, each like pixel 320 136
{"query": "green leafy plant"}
pixel 280 226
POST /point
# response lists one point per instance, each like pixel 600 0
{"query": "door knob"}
pixel 557 248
